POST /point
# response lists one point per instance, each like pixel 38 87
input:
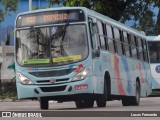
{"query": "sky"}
pixel 10 20
pixel 155 9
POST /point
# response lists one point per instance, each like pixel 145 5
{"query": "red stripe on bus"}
pixel 117 74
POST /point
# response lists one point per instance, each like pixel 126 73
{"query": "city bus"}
pixel 76 54
pixel 154 46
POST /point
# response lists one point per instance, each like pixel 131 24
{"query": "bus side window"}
pixel 110 39
pixel 114 40
pixel 126 44
pixel 140 47
pixel 146 51
pixel 92 32
pixel 101 35
pixel 117 41
pixel 122 43
pixel 137 47
pixel 133 47
pixel 144 56
pixel 105 36
pixel 129 44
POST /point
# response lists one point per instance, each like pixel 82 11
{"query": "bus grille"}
pixel 52 73
pixel 48 81
pixel 53 89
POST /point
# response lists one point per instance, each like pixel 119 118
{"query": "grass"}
pixel 8 94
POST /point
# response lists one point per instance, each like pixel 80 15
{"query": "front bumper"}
pixel 86 86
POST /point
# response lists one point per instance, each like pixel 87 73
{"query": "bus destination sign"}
pixel 52 17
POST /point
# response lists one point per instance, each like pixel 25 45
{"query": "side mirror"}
pixel 93 25
pixel 96 53
pixel 95 29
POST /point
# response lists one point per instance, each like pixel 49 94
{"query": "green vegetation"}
pixel 140 11
pixel 8 90
pixel 10 6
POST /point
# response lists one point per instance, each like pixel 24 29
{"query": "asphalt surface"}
pixel 114 109
pixel 146 104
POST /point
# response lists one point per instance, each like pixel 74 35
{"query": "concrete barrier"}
pixel 6 59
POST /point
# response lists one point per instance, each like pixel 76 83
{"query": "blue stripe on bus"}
pixel 129 86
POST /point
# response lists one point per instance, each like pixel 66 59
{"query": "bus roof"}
pixel 117 24
pixel 153 38
pixel 51 9
pixel 96 15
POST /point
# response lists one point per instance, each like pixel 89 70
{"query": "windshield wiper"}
pixel 32 31
pixel 64 30
pixel 57 35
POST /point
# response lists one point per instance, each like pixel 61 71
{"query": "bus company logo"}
pixel 157 68
pixel 52 81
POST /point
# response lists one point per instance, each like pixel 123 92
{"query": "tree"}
pixel 9 6
pixel 157 25
pixel 111 8
pixel 140 11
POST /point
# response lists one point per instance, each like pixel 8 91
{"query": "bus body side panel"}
pixel 141 73
pixel 99 79
pixel 126 72
pixel 148 80
pixel 120 70
pixel 107 63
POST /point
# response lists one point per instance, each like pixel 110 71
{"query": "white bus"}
pixel 154 50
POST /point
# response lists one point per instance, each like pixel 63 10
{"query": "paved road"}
pixel 147 104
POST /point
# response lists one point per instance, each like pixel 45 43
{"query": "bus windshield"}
pixel 56 45
pixel 154 48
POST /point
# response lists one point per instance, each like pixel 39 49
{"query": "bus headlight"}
pixel 23 79
pixel 82 75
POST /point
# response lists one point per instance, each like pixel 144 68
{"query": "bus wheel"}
pixel 126 101
pixel 79 103
pixel 43 103
pixel 136 99
pixel 102 98
pixel 85 103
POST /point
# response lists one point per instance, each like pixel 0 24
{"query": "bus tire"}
pixel 79 104
pixel 135 101
pixel 84 103
pixel 126 101
pixel 102 98
pixel 43 103
pixel 132 100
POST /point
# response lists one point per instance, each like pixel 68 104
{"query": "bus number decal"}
pixel 54 17
pixel 31 20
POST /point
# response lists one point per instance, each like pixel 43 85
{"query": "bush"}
pixel 8 90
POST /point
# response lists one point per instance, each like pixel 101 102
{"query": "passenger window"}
pixel 129 45
pixel 140 47
pixel 146 51
pixel 101 35
pixel 117 41
pixel 126 44
pixel 137 47
pixel 133 47
pixel 144 56
pixel 110 39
